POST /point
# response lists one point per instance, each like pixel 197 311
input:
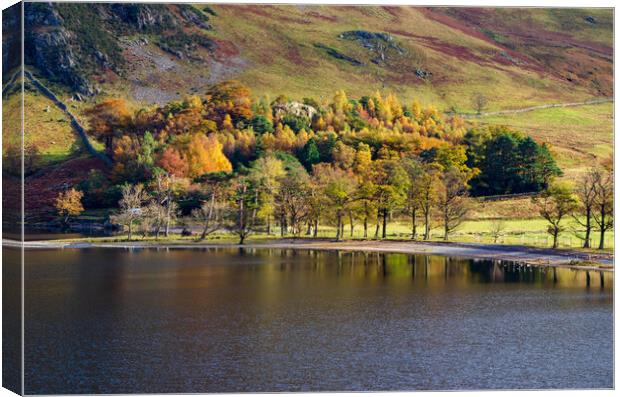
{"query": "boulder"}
pixel 294 108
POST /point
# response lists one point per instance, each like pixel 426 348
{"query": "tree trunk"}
pixel 556 232
pixel 309 228
pixel 601 243
pixel 446 228
pixel 269 225
pixel 316 227
pixel 586 243
pixel 351 221
pixel 365 227
pixel 427 228
pixel 203 235
pixel 338 228
pixel 241 238
pixel 129 233
pixel 384 231
pixel 413 224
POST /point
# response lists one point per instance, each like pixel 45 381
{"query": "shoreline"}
pixel 540 257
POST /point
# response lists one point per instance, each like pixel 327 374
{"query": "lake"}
pixel 228 320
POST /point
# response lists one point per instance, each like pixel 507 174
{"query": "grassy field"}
pixel 45 126
pixel 529 232
pixel 514 231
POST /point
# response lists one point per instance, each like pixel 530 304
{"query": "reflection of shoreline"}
pixel 518 254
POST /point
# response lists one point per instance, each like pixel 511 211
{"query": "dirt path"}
pixel 538 107
pixel 520 254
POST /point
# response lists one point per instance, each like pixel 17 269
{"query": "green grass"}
pixel 46 127
pixel 527 232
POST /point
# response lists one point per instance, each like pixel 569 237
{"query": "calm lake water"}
pixel 120 321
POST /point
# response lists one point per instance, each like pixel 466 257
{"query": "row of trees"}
pixel 277 189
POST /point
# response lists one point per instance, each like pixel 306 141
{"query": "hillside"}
pixel 155 53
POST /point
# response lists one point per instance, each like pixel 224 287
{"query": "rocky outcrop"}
pixel 140 17
pixel 48 47
pixel 11 41
pixel 69 43
pixel 294 108
pixel 382 45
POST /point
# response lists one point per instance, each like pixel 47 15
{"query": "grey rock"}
pixel 294 108
pixel 421 73
pixel 590 19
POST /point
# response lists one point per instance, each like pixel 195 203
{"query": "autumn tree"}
pixel 109 119
pixel 389 179
pixel 229 98
pixel 69 203
pixel 554 204
pixel 266 174
pixel 204 155
pixel 338 187
pixel 414 170
pixel 362 166
pixel 428 193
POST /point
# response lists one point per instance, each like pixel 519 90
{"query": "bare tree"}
pixel 211 215
pixel 292 201
pixel 604 204
pixel 452 202
pixel 154 215
pixel 497 229
pixel 130 207
pixel 586 193
pixel 164 194
pixel 244 207
pixel 479 101
pixel 555 204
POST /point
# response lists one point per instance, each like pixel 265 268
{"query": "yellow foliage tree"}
pixel 69 203
pixel 204 155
